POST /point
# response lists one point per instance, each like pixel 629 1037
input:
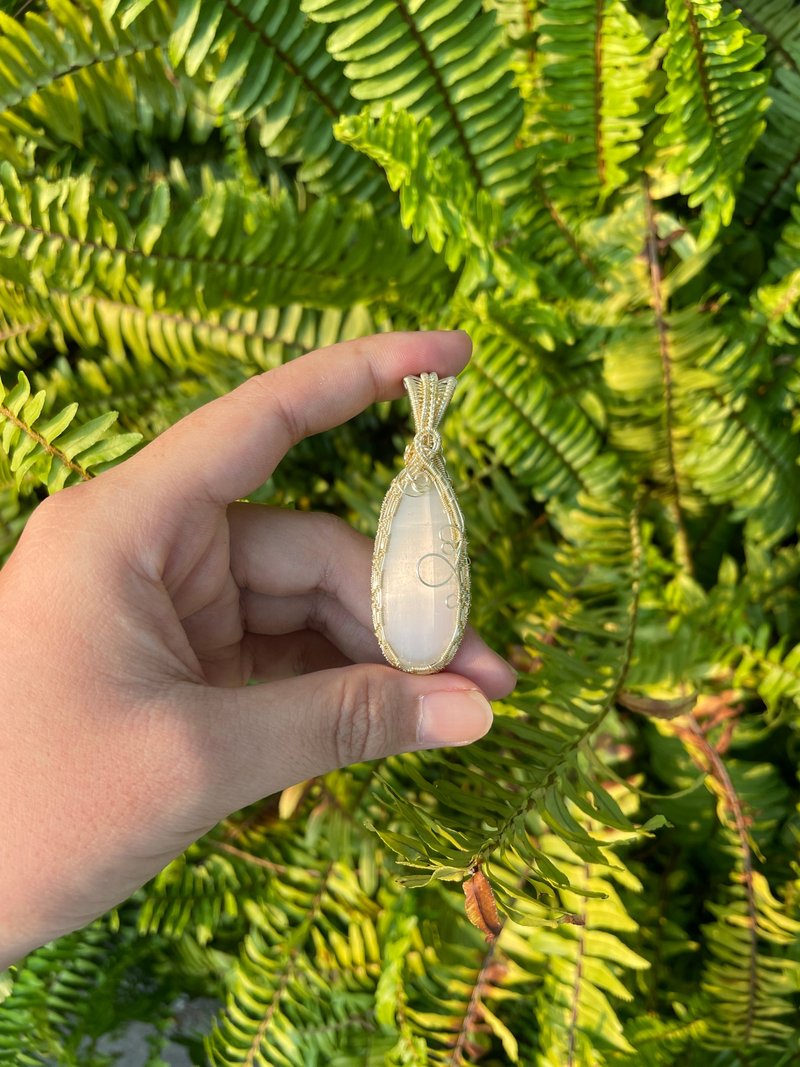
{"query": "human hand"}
pixel 137 606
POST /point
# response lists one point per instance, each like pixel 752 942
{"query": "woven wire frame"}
pixel 429 397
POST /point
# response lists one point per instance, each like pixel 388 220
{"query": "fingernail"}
pixel 453 717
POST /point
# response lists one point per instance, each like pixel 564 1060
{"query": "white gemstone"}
pixel 420 582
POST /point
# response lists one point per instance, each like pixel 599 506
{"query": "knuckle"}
pixel 330 526
pixel 329 532
pixel 61 507
pixel 46 524
pixel 50 506
pixel 70 515
pixel 268 385
pixel 318 617
pixel 361 730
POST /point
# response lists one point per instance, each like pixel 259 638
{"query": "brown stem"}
pixel 287 973
pixel 569 237
pixel 711 762
pixel 662 329
pixel 471 1015
pixel 26 327
pixel 455 119
pixel 56 453
pixel 598 91
pixel 702 70
pixel 329 105
pixel 258 861
pixel 576 986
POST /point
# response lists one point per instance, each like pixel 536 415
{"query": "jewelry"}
pixel 420 567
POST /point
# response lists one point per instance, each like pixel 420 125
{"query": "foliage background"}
pixel 605 194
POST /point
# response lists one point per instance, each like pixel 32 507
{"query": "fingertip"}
pixel 457 342
pixel 506 678
pixel 475 660
pixel 453 717
pixel 459 335
pixel 446 352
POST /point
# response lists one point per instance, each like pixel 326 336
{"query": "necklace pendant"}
pixel 420 567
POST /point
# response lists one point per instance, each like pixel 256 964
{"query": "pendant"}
pixel 420 567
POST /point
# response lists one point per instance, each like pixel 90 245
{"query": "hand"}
pixel 137 606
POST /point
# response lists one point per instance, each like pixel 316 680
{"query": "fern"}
pixel 544 439
pixel 775 19
pixel 292 95
pixel 572 704
pixel 594 68
pixel 20 328
pixel 777 302
pixel 751 986
pixel 89 243
pixel 444 65
pixel 713 104
pixel 605 196
pixel 586 960
pixel 63 76
pixel 54 452
pixel 137 352
pixel 102 973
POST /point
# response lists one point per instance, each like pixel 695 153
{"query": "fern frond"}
pixel 198 893
pixel 438 995
pixel 587 961
pixel 481 808
pixel 657 1042
pixel 595 66
pixel 778 301
pixel 740 454
pixel 550 234
pixel 650 359
pixel 773 673
pixel 682 400
pixel 449 66
pixel 773 169
pixel 16 506
pixel 290 984
pixel 61 992
pixel 129 345
pixel 71 70
pixel 515 18
pixel 713 104
pixel 54 452
pixel 438 199
pixel 776 21
pixel 232 246
pixel 20 328
pixel 749 980
pixel 544 439
pixel 267 64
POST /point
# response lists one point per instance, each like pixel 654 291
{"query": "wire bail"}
pixel 429 396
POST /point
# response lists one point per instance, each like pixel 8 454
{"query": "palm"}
pixel 253 592
pixel 194 601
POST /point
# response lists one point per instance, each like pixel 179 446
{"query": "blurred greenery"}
pixel 605 195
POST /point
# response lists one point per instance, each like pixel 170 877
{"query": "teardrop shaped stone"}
pixel 420 578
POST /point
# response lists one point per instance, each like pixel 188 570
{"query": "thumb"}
pixel 256 740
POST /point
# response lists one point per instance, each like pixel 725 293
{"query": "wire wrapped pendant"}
pixel 420 567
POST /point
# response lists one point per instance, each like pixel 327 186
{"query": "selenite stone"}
pixel 419 587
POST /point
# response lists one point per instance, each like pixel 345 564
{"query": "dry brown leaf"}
pixel 480 905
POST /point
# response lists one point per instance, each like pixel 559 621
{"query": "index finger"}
pixel 228 448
